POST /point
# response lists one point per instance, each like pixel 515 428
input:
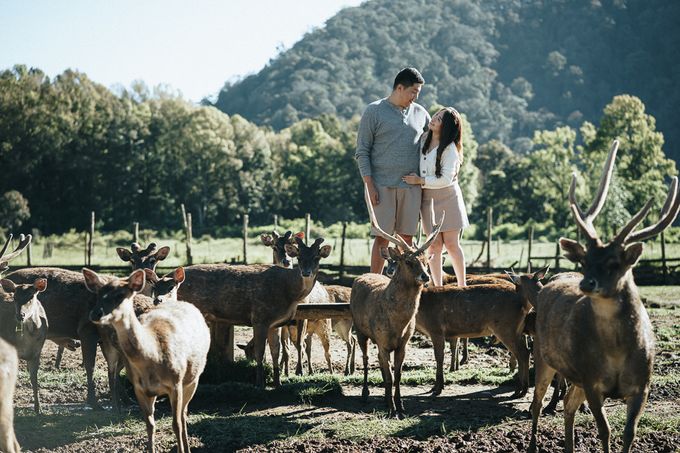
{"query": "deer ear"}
pixel 93 282
pixel 300 235
pixel 541 273
pixel 516 279
pixel 292 250
pixel 632 253
pixel 573 251
pixel 162 253
pixel 325 251
pixel 151 276
pixel 8 285
pixel 267 240
pixel 394 252
pixel 40 284
pixel 136 280
pixel 178 275
pixel 124 254
pixel 384 253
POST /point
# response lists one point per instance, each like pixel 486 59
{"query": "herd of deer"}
pixel 589 328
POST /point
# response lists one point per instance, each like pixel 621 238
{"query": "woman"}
pixel 441 158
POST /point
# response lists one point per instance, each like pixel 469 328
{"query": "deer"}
pixel 322 327
pixel 257 295
pixel 166 349
pixel 67 303
pixel 593 328
pixel 9 365
pixel 384 310
pixel 27 329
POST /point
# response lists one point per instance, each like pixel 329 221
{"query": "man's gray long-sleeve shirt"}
pixel 387 142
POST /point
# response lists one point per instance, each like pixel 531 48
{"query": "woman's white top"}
pixel 450 166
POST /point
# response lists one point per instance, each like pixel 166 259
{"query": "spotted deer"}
pixel 165 349
pixel 384 310
pixel 593 328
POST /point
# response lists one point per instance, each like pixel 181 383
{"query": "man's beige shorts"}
pixel 398 210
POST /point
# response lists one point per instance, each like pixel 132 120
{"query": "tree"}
pixel 14 210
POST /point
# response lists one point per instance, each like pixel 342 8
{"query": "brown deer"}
pixel 261 296
pixel 384 309
pixel 593 329
pixel 26 330
pixel 140 258
pixel 165 349
pixel 9 363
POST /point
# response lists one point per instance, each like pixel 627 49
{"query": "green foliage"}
pixel 14 210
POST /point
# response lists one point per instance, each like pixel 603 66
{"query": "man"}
pixel 387 149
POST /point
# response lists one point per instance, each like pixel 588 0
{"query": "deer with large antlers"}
pixel 593 329
pixel 384 309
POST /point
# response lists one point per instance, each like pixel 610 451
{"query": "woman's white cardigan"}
pixel 450 166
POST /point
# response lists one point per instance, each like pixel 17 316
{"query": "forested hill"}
pixel 513 66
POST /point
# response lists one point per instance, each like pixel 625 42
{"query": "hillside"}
pixel 512 66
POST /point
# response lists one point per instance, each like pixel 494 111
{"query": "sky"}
pixel 191 46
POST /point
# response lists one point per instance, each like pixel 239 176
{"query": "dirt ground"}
pixel 467 417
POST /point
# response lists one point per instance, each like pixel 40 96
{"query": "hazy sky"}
pixel 193 46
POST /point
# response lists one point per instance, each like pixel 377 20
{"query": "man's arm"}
pixel 365 137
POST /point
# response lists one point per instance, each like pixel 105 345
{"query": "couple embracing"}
pixel 407 160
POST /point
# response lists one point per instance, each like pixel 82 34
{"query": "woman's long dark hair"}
pixel 451 132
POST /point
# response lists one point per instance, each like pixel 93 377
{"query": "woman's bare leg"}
pixel 435 252
pixel 452 244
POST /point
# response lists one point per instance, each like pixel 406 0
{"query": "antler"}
pixel 585 220
pixel 435 230
pixel 668 214
pixel 396 239
pixel 23 243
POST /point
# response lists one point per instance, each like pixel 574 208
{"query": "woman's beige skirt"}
pixel 449 199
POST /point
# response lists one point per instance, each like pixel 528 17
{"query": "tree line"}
pixel 69 146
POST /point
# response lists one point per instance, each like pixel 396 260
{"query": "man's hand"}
pixel 373 194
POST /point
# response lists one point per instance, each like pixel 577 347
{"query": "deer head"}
pixel 139 258
pixel 113 297
pixel 165 287
pixel 278 246
pixel 528 285
pixel 5 259
pixel 308 257
pixel 409 261
pixel 606 266
pixel 23 295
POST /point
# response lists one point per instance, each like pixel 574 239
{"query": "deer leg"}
pixel 89 351
pixel 552 405
pixel 274 337
pixel 386 367
pixel 146 404
pixel 595 401
pixel 57 360
pixel 260 338
pixel 324 335
pixel 363 344
pixel 544 374
pixel 189 391
pixel 33 365
pixel 399 355
pixel 177 405
pixel 512 363
pixel 308 353
pixel 285 336
pixel 635 404
pixel 352 362
pixel 438 344
pixel 572 400
pixel 111 355
pixel 453 344
pixel 518 348
pixel 301 333
pixel 466 356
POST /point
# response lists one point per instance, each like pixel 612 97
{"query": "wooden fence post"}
pixel 531 240
pixel 245 238
pixel 90 242
pixel 135 232
pixel 342 249
pixel 489 222
pixel 308 222
pixel 557 257
pixel 186 220
pixel 276 221
pixel 29 253
pixel 664 267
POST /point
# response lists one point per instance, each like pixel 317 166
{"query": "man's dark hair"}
pixel 408 77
